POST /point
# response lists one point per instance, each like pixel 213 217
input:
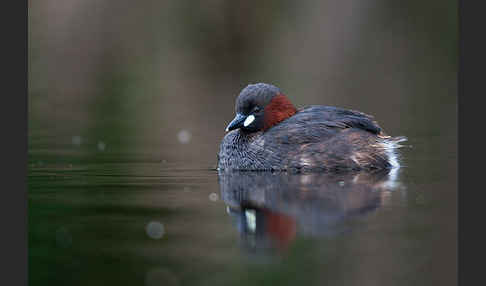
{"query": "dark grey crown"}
pixel 259 94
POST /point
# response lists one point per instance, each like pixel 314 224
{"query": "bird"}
pixel 269 133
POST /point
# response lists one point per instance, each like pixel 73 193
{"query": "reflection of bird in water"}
pixel 264 228
pixel 271 209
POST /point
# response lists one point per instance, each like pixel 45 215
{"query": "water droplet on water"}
pixel 184 136
pixel 155 230
pixel 213 197
pixel 76 140
pixel 101 146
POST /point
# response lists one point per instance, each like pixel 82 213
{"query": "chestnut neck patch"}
pixel 279 109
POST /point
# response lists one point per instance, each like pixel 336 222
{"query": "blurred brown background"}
pixel 161 77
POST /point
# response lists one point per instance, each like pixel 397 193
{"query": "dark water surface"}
pixel 130 218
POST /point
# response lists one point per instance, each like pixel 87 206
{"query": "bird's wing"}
pixel 320 123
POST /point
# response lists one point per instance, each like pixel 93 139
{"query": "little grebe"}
pixel 269 133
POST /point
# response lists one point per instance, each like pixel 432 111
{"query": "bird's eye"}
pixel 256 109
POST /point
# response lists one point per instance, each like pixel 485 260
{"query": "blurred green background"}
pixel 128 101
pixel 138 73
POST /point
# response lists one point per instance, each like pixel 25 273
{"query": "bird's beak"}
pixel 237 122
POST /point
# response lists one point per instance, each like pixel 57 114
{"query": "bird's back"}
pixel 316 138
